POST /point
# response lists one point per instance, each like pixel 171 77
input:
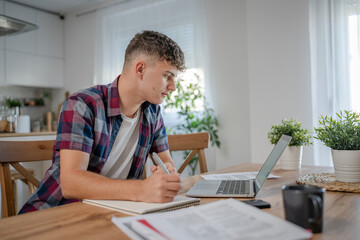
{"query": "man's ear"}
pixel 140 69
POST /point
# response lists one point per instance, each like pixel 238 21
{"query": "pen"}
pixel 159 162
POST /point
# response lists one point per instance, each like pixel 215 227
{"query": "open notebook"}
pixel 134 208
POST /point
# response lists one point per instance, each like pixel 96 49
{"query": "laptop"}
pixel 240 188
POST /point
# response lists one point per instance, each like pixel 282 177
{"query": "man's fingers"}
pixel 173 178
pixel 174 186
pixel 153 168
pixel 171 168
pixel 162 187
pixel 171 194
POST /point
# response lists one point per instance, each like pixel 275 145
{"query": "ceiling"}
pixel 59 6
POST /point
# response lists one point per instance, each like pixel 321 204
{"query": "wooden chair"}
pixel 15 175
pixel 196 142
pixel 12 153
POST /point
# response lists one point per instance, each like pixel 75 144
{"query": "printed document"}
pixel 234 176
pixel 224 219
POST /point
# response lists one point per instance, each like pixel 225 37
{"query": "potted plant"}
pixel 292 155
pixel 13 102
pixel 342 135
pixel 193 113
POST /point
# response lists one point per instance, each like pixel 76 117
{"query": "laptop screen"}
pixel 271 161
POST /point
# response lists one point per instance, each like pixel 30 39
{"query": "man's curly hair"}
pixel 158 45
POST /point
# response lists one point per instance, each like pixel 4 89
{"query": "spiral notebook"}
pixel 135 208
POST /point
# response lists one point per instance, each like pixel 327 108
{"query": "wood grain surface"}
pixel 82 221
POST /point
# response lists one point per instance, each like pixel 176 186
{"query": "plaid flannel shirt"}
pixel 89 122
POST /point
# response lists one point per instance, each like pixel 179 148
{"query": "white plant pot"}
pixel 291 158
pixel 346 165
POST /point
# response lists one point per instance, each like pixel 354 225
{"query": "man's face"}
pixel 158 80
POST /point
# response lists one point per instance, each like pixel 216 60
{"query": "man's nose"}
pixel 171 85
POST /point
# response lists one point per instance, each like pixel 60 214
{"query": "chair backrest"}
pixel 12 153
pixel 196 142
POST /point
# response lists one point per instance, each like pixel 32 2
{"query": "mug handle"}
pixel 316 201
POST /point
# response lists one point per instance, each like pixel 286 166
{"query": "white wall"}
pixel 259 73
pixel 279 69
pixel 227 76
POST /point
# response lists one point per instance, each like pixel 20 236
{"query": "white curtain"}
pixel 181 20
pixel 354 47
pixel 329 64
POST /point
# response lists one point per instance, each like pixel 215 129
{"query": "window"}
pixel 192 79
pixel 190 88
pixel 116 27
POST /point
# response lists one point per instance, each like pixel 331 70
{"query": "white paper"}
pixel 234 176
pixel 224 219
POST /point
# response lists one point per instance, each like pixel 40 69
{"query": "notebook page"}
pixel 143 207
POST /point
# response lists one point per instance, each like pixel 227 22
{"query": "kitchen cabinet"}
pixel 24 42
pixel 49 35
pixel 2 65
pixel 33 70
pixel 2 42
pixel 33 58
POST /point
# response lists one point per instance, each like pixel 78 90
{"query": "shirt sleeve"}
pixel 75 129
pixel 160 142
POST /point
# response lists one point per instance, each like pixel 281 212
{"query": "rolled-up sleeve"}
pixel 160 142
pixel 75 129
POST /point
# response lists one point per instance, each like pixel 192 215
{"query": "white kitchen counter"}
pixel 35 136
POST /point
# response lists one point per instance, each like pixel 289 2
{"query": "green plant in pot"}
pixel 193 113
pixel 342 135
pixel 292 156
pixel 13 103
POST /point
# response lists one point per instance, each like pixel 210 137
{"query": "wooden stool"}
pixel 15 175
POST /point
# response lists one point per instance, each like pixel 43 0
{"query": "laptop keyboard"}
pixel 234 187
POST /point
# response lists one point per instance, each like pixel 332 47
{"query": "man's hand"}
pixel 168 165
pixel 167 160
pixel 160 187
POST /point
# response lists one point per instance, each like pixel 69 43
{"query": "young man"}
pixel 106 132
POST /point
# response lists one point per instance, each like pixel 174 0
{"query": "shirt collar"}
pixel 113 98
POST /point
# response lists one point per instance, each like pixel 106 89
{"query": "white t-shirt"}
pixel 121 155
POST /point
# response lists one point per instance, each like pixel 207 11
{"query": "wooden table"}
pixel 83 221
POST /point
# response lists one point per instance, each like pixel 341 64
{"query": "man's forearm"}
pixel 85 184
pixel 77 182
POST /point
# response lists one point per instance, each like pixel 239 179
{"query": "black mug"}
pixel 304 206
